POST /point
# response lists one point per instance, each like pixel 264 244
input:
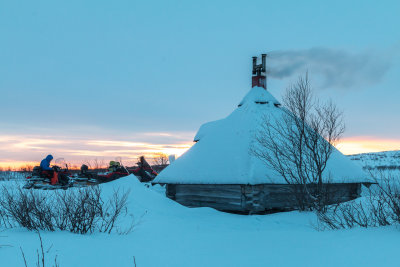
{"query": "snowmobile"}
pixel 41 179
pixel 58 178
pixel 45 180
pixel 115 171
pixel 143 171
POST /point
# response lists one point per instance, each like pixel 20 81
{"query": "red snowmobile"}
pixel 115 171
pixel 143 171
pixel 58 178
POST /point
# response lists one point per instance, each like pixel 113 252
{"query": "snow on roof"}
pixel 222 152
pixel 258 95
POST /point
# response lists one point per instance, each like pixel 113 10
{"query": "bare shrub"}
pixel 299 143
pixel 112 210
pixel 41 259
pixel 79 211
pixel 380 208
pixel 7 175
pixel 347 215
pixel 25 208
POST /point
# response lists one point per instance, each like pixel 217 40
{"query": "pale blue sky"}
pixel 113 69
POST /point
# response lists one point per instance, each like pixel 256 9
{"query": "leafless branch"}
pixel 298 142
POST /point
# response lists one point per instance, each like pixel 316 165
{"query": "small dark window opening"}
pixel 239 105
pixel 277 105
pixel 261 102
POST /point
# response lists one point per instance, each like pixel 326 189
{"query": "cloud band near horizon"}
pixel 19 150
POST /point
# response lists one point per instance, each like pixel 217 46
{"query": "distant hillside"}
pixel 387 160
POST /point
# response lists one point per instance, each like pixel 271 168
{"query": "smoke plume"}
pixel 331 68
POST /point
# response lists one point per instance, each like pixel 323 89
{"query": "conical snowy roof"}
pixel 222 152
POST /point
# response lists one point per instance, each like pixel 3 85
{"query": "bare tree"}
pixel 298 142
pixel 160 159
pixel 26 168
pixel 95 164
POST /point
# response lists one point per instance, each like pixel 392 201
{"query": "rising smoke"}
pixel 332 68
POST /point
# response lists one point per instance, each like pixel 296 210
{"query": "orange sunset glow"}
pixel 356 145
pixel 32 149
pixel 20 151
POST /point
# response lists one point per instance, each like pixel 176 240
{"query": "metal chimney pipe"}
pixel 254 65
pixel 263 56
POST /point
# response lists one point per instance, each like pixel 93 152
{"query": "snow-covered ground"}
pixel 168 234
pixel 382 160
pixel 386 163
pixel 11 175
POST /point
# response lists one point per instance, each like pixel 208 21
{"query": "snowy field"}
pixel 10 175
pixel 380 160
pixel 168 234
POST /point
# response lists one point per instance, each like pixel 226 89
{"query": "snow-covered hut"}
pixel 219 171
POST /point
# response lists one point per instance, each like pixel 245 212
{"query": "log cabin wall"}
pixel 254 198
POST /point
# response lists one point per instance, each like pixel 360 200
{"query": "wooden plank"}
pixel 219 206
pixel 208 186
pixel 222 196
pixel 215 196
pixel 252 188
pixel 207 192
pixel 170 191
pixel 208 198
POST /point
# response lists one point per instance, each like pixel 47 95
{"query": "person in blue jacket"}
pixel 45 163
pixel 52 174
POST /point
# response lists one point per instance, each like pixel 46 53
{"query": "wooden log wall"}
pixel 254 198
